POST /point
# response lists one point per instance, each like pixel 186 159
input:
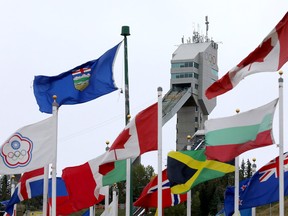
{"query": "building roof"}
pixel 189 51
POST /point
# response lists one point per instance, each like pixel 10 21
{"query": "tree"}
pixel 141 176
pixel 5 188
pixel 248 169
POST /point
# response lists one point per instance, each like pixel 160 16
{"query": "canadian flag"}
pixel 139 136
pixel 269 56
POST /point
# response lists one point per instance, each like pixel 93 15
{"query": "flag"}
pixel 139 136
pixel 111 210
pixel 186 169
pixel 261 189
pixel 239 133
pixel 81 84
pixel 86 213
pixel 243 212
pixel 31 185
pixel 64 204
pixel 148 197
pixel 29 148
pixel 83 182
pixel 269 56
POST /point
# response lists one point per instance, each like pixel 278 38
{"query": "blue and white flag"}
pixel 29 186
pixel 29 148
pixel 261 189
pixel 81 84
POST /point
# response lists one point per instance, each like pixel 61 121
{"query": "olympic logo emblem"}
pixel 17 151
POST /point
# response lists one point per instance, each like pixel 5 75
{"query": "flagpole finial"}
pixel 237 110
pixel 125 31
pixel 280 72
pixel 254 159
pixel 54 101
pixel 107 147
pixel 188 137
pixel 128 116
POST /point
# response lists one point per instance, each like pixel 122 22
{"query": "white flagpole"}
pixel 54 167
pixel 159 201
pixel 115 202
pixel 106 188
pixel 45 189
pixel 253 172
pixel 12 192
pixel 281 142
pixel 189 200
pixel 236 183
pixel 128 186
pixel 91 210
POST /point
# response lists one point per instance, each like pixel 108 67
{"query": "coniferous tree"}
pixel 248 169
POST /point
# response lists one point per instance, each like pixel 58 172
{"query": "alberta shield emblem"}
pixel 81 78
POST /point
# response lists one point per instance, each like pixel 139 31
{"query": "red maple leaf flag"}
pixel 138 137
pixel 269 56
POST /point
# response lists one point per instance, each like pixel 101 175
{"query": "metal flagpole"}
pixel 189 200
pixel 45 189
pixel 281 142
pixel 236 183
pixel 106 188
pixel 54 168
pixel 12 177
pixel 159 201
pixel 129 192
pixel 253 172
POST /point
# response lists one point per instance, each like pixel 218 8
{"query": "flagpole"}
pixel 129 192
pixel 12 192
pixel 281 151
pixel 45 189
pixel 54 168
pixel 106 188
pixel 159 201
pixel 189 200
pixel 253 172
pixel 236 183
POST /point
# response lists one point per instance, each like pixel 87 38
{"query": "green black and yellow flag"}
pixel 186 169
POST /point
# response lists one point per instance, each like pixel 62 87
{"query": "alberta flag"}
pixel 81 84
pixel 261 189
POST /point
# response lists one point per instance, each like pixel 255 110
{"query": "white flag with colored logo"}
pixel 30 147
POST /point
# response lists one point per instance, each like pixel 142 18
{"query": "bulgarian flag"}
pixel 228 137
pixel 269 56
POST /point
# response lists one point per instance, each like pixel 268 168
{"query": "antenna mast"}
pixel 207 25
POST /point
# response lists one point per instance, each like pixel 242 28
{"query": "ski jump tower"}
pixel 193 69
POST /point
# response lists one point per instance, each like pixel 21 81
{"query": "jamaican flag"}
pixel 186 169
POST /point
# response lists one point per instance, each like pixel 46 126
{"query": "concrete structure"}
pixel 193 68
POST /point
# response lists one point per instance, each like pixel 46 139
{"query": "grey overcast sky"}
pixel 51 37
